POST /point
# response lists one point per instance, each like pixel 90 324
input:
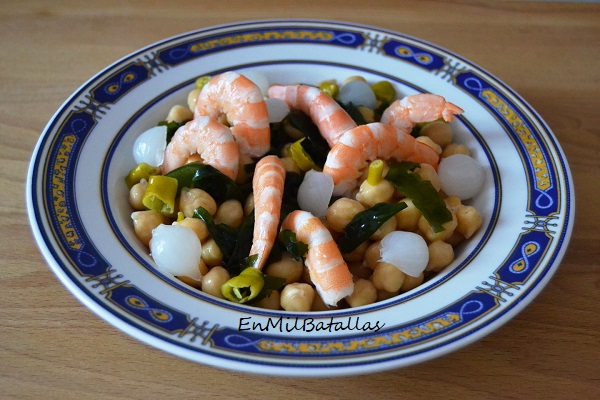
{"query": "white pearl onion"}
pixel 150 146
pixel 177 250
pixel 407 251
pixel 461 176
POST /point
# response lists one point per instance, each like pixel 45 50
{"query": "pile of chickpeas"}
pixel 374 280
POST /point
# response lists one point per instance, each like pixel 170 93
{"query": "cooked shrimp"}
pixel 209 139
pixel 328 270
pixel 365 143
pixel 406 113
pixel 267 184
pixel 331 119
pixel 236 98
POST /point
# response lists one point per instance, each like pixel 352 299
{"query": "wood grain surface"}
pixel 52 346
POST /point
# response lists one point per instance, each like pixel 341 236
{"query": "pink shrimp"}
pixel 267 184
pixel 331 119
pixel 406 113
pixel 242 103
pixel 208 138
pixel 369 142
pixel 328 270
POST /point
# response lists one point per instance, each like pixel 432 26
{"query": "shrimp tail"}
pixel 267 184
pixel 327 268
pixel 404 114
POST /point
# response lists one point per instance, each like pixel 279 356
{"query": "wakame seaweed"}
pixel 211 180
pixel 365 223
pixel 424 196
pixel 172 127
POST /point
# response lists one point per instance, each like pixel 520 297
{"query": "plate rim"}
pixel 506 316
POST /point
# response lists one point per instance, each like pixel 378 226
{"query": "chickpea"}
pixel 441 254
pixel 190 199
pixel 453 203
pixel 194 158
pixel 427 141
pixel 360 271
pixel 197 225
pixel 455 239
pixel 427 231
pixel 364 293
pixel 428 173
pixel 357 254
pixel 319 305
pixel 387 277
pixel 297 297
pixel 136 195
pixel 455 148
pixel 408 219
pixel 367 113
pixel 211 253
pixel 193 282
pixel 438 131
pixel 249 204
pixel 290 165
pixel 469 220
pixel 190 281
pixel 144 222
pixel 271 302
pixel 365 172
pixel 291 131
pixel 383 295
pixel 387 227
pixel 341 212
pixel 287 268
pixel 411 282
pixel 231 213
pixel 285 151
pixel 179 114
pixel 369 195
pixel 353 78
pixel 373 254
pixel 213 280
pixel 244 175
pixel 192 98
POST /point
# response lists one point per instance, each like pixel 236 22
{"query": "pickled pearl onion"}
pixel 177 250
pixel 150 146
pixel 315 193
pixel 461 176
pixel 407 251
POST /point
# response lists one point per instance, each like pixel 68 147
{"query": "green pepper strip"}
pixel 139 172
pixel 244 287
pixel 160 194
pixel 301 158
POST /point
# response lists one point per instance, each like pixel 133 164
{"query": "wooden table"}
pixel 51 346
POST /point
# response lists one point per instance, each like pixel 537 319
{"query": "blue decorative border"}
pixel 199 47
pixel 520 264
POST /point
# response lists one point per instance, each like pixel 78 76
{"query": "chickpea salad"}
pixel 301 197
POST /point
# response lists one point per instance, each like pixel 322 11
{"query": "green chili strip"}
pixel 139 172
pixel 244 287
pixel 160 194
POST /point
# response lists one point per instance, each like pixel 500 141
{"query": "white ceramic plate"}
pixel 81 220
